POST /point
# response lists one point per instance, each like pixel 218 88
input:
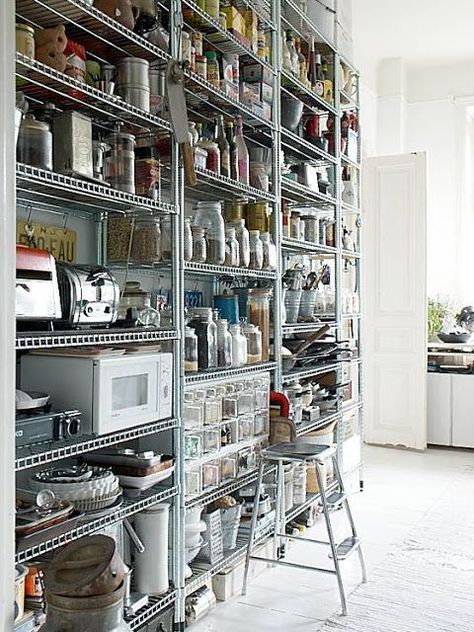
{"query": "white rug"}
pixel 427 583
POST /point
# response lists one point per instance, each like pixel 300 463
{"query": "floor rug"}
pixel 426 584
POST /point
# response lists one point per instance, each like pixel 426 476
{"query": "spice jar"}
pixel 199 244
pixel 269 252
pixel 188 240
pixel 147 167
pixel 35 143
pixel 190 350
pixel 208 216
pixel 25 40
pixel 206 332
pixel 119 234
pixel 256 250
pixel 213 68
pixel 295 223
pixel 119 168
pixel 259 314
pixel 231 247
pixel 224 344
pixel 146 241
pixel 254 343
pixel 239 346
pixel 166 238
pixel 243 239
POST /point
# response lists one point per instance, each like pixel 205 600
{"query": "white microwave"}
pixel 113 393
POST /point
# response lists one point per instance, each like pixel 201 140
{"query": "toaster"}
pixel 37 291
pixel 89 295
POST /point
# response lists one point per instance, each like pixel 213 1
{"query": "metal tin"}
pixel 133 71
pixel 311 228
pixel 157 91
pixel 235 210
pixel 257 216
pixel 73 144
pixel 35 143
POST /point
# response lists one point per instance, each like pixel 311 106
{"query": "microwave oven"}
pixel 113 393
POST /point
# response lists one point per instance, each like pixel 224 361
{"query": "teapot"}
pixel 122 11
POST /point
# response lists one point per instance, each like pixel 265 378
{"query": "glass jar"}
pixel 243 238
pixel 186 47
pixel 206 332
pixel 239 346
pixel 224 344
pixel 188 240
pixel 311 228
pixel 119 235
pixel 35 143
pixel 213 160
pixel 254 343
pixel 269 252
pixel 201 66
pixel 295 223
pixel 231 247
pixel 256 250
pixel 166 238
pixel 259 314
pixel 119 166
pixel 190 350
pixel 208 216
pixel 133 296
pixel 25 40
pixel 259 176
pixel 199 244
pixel 146 241
pixel 147 167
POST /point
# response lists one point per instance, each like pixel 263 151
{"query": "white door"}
pixel 394 306
pixel 463 407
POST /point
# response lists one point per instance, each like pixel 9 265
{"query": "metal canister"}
pixel 72 149
pixel 134 82
pixel 311 228
pixel 120 161
pixel 25 40
pixel 235 209
pixel 258 216
pixel 157 91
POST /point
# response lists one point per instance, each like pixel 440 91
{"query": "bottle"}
pixel 223 145
pixel 242 152
pixel 261 42
pixel 328 92
pixel 232 257
pixel 290 43
pixel 302 66
pixel 233 157
pixel 286 57
pixel 319 85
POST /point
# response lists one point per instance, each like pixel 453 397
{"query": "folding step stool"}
pixel 284 453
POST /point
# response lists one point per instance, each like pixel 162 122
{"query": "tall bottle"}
pixel 290 43
pixel 328 91
pixel 234 163
pixel 242 152
pixel 223 144
pixel 302 66
pixel 285 56
pixel 315 73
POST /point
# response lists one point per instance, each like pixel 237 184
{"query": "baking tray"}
pixel 48 534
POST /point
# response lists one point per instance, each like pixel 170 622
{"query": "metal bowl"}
pixel 291 111
pixel 455 338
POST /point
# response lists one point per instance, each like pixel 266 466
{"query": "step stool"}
pixel 284 453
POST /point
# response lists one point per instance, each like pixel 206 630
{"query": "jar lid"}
pixel 132 60
pixel 32 125
pixel 25 27
pixel 189 331
pixel 208 204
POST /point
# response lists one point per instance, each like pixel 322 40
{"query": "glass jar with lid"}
pixel 259 314
pixel 206 332
pixel 242 235
pixel 208 216
pixel 25 40
pixel 231 247
pixel 133 296
pixel 188 240
pixel 35 143
pixel 213 160
pixel 199 244
pixel 190 350
pixel 119 167
pixel 239 346
pixel 166 230
pixel 224 344
pixel 254 343
pixel 147 166
pixel 146 241
pixel 119 235
pixel 256 250
pixel 269 252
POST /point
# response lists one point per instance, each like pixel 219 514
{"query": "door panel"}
pixel 439 409
pixel 463 411
pixel 394 307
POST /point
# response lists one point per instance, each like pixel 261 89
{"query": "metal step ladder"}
pixel 282 454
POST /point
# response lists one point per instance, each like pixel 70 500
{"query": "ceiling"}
pixel 422 32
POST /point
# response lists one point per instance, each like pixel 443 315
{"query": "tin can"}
pixel 72 148
pixel 311 228
pixel 257 216
pixel 235 209
pixel 34 581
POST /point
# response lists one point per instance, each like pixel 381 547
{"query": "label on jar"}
pixel 212 8
pixel 147 177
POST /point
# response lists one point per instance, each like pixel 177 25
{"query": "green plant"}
pixel 438 309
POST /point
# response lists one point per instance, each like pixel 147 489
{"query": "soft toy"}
pixel 50 46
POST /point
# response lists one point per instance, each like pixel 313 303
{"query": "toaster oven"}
pixel 112 392
pixel 37 293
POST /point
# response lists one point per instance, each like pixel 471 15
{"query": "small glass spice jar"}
pixel 256 250
pixel 242 235
pixel 199 244
pixel 190 350
pixel 269 252
pixel 231 247
pixel 254 343
pixel 166 238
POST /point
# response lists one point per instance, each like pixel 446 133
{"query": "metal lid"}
pixel 25 27
pixel 30 124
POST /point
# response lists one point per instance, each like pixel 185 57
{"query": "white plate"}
pixel 144 482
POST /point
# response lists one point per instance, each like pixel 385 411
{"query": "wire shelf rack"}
pixel 301 374
pixel 41 454
pixel 215 270
pixel 304 196
pixel 300 148
pixel 289 329
pixel 154 607
pixel 223 375
pixel 311 426
pixel 225 188
pixel 309 98
pixel 298 245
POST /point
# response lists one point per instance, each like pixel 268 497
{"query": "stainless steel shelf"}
pixel 299 147
pixel 311 499
pixel 289 329
pixel 221 38
pixel 348 208
pixel 346 160
pixel 299 246
pixel 215 270
pixel 225 188
pixel 128 508
pixel 304 196
pixel 43 453
pixel 311 426
pixel 35 184
pixel 221 375
pixel 42 83
pixel 350 254
pixel 154 607
pixel 301 374
pixel 85 23
pixel 309 98
pixel 52 340
pixel 347 102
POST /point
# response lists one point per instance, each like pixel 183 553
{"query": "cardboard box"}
pixel 251 28
pixel 266 93
pixel 249 93
pixel 230 89
pixel 267 111
pixel 235 23
pixel 254 73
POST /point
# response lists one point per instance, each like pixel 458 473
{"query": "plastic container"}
pixel 193 481
pixel 193 412
pixel 211 440
pixel 211 474
pixel 192 446
pixel 230 519
pixel 228 467
pixel 212 407
pixel 246 427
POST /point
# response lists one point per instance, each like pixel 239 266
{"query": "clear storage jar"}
pixel 133 296
pixel 188 240
pixel 119 166
pixel 208 216
pixel 256 250
pixel 119 235
pixel 206 332
pixel 269 252
pixel 212 408
pixel 190 350
pixel 199 244
pixel 254 343
pixel 243 238
pixel 231 247
pixel 166 240
pixel 193 412
pixel 224 344
pixel 35 143
pixel 239 346
pixel 192 445
pixel 146 241
pixel 259 314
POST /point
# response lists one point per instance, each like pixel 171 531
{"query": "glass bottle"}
pixel 242 152
pixel 224 344
pixel 223 145
pixel 294 61
pixel 190 350
pixel 166 238
pixel 206 332
pixel 231 247
pixel 328 91
pixel 319 85
pixel 199 244
pixel 261 41
pixel 233 157
pixel 259 314
pixel 193 133
pixel 147 166
pixel 256 250
pixel 254 343
pixel 302 66
pixel 213 159
pixel 286 56
pixel 188 240
pixel 269 252
pixel 242 235
pixel 239 346
pixel 209 216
